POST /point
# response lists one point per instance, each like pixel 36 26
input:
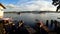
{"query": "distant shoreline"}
pixel 33 12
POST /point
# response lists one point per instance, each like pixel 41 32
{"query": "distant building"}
pixel 1 10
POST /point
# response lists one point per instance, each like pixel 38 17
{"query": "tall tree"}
pixel 55 3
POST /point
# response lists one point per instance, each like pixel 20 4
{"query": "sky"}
pixel 28 5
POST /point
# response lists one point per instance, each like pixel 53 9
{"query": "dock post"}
pixel 55 24
pixel 51 25
pixel 47 23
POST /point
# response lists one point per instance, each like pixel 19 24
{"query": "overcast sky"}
pixel 28 5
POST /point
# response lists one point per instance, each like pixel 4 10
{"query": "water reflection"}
pixel 30 17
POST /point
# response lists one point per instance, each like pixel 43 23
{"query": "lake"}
pixel 29 18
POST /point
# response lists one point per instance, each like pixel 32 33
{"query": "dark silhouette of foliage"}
pixel 55 3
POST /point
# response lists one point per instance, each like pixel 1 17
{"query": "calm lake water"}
pixel 29 18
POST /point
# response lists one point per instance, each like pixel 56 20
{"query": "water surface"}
pixel 29 18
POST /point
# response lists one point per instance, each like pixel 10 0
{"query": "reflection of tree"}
pixel 55 3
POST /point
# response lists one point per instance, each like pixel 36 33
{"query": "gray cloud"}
pixel 35 5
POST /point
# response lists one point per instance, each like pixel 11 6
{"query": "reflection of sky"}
pixel 29 18
pixel 32 17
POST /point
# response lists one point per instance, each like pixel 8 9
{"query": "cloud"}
pixel 38 5
pixel 33 5
pixel 12 7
